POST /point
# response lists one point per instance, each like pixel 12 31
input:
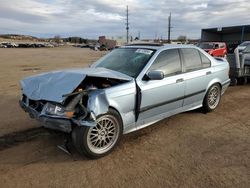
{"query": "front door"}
pixel 161 98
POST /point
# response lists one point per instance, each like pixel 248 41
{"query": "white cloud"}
pixel 104 15
pixel 200 6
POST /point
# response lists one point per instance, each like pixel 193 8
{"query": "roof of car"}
pixel 154 46
pixel 245 42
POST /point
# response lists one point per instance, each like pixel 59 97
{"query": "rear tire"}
pixel 98 141
pixel 212 98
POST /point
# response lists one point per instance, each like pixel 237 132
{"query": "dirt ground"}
pixel 187 150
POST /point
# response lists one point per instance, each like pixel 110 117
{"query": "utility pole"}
pixel 156 35
pixel 127 25
pixel 169 27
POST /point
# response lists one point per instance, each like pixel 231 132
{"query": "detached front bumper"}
pixel 60 124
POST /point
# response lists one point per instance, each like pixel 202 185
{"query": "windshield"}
pixel 247 49
pixel 245 43
pixel 129 61
pixel 205 46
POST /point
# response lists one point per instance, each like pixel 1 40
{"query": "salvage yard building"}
pixel 233 35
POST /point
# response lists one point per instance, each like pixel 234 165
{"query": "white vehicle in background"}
pixel 243 45
pixel 9 45
pixel 48 45
pixel 3 46
pixel 14 45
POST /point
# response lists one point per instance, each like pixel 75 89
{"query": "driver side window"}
pixel 168 62
pixel 216 46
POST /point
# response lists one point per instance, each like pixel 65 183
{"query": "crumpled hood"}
pixel 51 86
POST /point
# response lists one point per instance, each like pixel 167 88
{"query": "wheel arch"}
pixel 205 106
pixel 113 108
pixel 212 82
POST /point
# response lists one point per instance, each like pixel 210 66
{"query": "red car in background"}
pixel 218 49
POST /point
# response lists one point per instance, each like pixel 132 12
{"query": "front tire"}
pixel 98 141
pixel 212 98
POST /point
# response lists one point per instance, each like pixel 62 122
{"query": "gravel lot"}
pixel 187 150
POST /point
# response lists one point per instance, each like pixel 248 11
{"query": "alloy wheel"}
pixel 104 135
pixel 214 97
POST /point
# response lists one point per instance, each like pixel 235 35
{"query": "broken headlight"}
pixel 56 110
pixel 52 109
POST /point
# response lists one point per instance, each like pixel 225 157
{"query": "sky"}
pixel 92 18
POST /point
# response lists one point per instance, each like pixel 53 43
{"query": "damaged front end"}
pixel 60 116
pixel 79 107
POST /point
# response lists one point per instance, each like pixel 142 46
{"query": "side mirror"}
pixel 155 75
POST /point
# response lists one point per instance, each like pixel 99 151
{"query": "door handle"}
pixel 209 72
pixel 179 80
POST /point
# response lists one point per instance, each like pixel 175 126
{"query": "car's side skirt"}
pixel 152 120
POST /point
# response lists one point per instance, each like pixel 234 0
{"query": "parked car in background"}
pixel 103 48
pixel 246 60
pixel 217 49
pixel 3 46
pixel 239 65
pixel 243 45
pixel 10 44
pixel 128 89
pixel 48 45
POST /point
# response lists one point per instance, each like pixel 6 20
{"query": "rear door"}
pixel 159 97
pixel 198 73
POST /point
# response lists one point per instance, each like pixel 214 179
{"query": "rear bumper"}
pixel 225 86
pixel 60 124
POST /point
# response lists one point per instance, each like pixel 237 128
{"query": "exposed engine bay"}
pixel 74 109
pixel 78 100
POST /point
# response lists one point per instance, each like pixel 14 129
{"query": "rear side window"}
pixel 168 62
pixel 216 46
pixel 205 61
pixel 192 59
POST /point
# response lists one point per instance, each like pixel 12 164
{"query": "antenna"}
pixel 127 25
